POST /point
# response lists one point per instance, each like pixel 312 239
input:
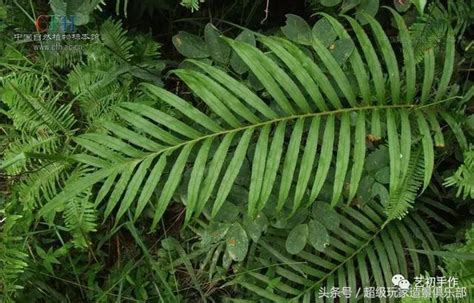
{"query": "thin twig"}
pixel 266 12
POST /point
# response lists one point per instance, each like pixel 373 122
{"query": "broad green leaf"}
pixel 219 50
pixel 347 5
pixel 297 30
pixel 237 242
pixel 297 239
pixel 318 235
pixel 237 64
pixel 342 49
pixel 326 215
pixel 366 8
pixel 330 3
pixel 402 5
pixel 324 32
pixel 190 46
pixel 255 227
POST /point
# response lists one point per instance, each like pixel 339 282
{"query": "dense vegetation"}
pixel 234 151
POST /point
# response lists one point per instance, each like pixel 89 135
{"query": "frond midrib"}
pixel 273 121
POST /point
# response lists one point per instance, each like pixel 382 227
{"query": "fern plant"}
pixel 314 110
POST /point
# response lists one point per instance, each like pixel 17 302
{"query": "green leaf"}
pixel 324 32
pixel 325 158
pixel 232 171
pixel 369 7
pixel 326 215
pixel 171 184
pixel 237 242
pixel 258 171
pixel 255 227
pixel 402 5
pixel 330 3
pixel 318 235
pixel 237 64
pixel 297 239
pixel 342 49
pixel 190 46
pixel 343 154
pixel 347 5
pixel 297 30
pixel 289 164
pixel 220 51
pixel 420 5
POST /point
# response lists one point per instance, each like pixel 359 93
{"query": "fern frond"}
pixel 80 218
pixel 148 148
pixel 463 178
pixel 33 108
pixel 404 196
pixel 12 258
pixel 115 37
pixel 355 257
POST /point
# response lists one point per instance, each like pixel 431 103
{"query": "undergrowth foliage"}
pixel 266 167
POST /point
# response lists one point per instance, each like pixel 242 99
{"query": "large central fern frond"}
pixel 313 110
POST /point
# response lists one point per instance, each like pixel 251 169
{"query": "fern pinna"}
pixel 313 117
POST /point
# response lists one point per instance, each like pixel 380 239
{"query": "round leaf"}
pixel 318 235
pixel 326 215
pixel 220 51
pixel 297 239
pixel 330 3
pixel 324 32
pixel 256 227
pixel 237 242
pixel 297 30
pixel 237 64
pixel 190 46
pixel 342 49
